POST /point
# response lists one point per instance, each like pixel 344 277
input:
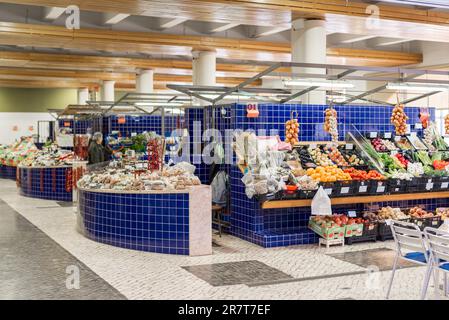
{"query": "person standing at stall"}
pixel 96 150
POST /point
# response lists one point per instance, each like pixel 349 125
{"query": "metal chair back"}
pixel 408 237
pixel 438 242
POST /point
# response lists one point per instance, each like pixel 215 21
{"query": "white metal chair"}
pixel 438 243
pixel 410 246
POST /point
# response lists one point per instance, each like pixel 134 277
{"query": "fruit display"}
pixel 305 158
pixel 292 131
pixel 399 120
pixel 14 154
pixel 336 156
pixel 389 145
pixel 328 174
pixel 443 213
pixel 362 175
pixel 307 183
pixel 420 213
pixel 320 158
pixel 386 213
pixel 331 123
pixel 391 163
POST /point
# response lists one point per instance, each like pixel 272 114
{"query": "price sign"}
pixel 352 214
pixel 429 181
pixel 408 129
pixel 328 191
pixel 344 190
pixel 394 152
pixel 397 138
pixel 133 134
pixel 444 185
pixel 363 189
pixel 413 134
pixel 349 146
pixel 387 135
pixel 252 110
pixel 121 120
pixel 373 134
pixel 418 125
pixel 313 146
pixel 380 189
pixel 429 186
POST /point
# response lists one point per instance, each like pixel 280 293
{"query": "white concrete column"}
pixel 83 96
pixel 309 46
pixel 204 66
pixel 144 81
pixel 108 90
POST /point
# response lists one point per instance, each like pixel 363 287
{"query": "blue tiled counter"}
pixel 50 183
pixel 175 222
pixel 8 172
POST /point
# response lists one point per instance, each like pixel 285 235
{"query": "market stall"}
pixel 12 155
pixel 166 211
pixel 47 174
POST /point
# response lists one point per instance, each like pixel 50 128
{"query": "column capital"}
pixel 198 50
pixel 144 71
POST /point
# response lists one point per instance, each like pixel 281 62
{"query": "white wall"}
pixel 23 120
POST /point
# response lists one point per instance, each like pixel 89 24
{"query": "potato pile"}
pixel 330 123
pixel 391 213
pixel 443 213
pixel 399 120
pixel 446 124
pixel 292 131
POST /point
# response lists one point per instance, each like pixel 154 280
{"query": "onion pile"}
pixel 446 123
pixel 292 131
pixel 330 123
pixel 399 120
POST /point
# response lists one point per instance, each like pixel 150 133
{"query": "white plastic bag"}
pixel 321 203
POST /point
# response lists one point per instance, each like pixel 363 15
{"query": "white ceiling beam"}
pixel 172 23
pixel 114 18
pixel 53 13
pixel 391 42
pixel 271 31
pixel 225 27
pixel 357 39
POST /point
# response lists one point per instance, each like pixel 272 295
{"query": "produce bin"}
pixel 344 189
pixel 330 188
pixel 441 183
pixel 384 230
pixel 413 185
pixel 434 222
pixel 426 184
pixel 362 187
pixel 378 187
pixel 327 233
pixel 370 231
pixel 354 230
pixel 307 194
pixel 396 186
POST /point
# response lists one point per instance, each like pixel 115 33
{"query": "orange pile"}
pixel 328 174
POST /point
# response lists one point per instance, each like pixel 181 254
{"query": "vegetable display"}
pixel 363 175
pixel 420 213
pixel 292 131
pixel 446 124
pixel 354 160
pixel 336 156
pixel 320 158
pixel 330 123
pixel 399 120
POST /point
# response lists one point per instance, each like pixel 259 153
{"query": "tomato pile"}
pixel 362 175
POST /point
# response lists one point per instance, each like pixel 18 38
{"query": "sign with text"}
pixel 252 110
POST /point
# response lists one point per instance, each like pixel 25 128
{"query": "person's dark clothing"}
pixel 96 153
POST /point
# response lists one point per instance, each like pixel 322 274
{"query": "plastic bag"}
pixel 276 158
pixel 321 203
pixel 186 167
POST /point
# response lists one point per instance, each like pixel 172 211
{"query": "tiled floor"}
pixel 299 272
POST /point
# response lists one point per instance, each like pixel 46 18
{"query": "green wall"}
pixel 35 100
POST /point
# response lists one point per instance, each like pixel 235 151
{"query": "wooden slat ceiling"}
pixel 253 12
pixel 49 36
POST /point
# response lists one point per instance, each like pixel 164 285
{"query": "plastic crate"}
pixel 412 185
pixel 327 233
pixel 384 232
pixel 396 186
pixel 307 194
pixel 378 187
pixel 434 222
pixel 426 184
pixel 353 230
pixel 330 188
pixel 362 187
pixel 345 189
pixel 441 183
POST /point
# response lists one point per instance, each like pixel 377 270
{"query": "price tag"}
pixel 380 189
pixel 444 185
pixel 387 135
pixel 418 125
pixel 397 138
pixel 352 214
pixel 408 129
pixel 429 181
pixel 344 190
pixel 328 191
pixel 313 146
pixel 133 134
pixel 413 134
pixel 429 186
pixel 394 152
pixel 349 146
pixel 363 189
pixel 373 134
